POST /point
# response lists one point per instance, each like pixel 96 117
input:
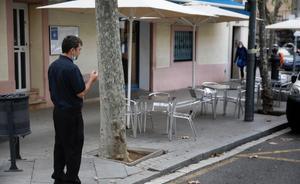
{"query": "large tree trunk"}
pixel 263 67
pixel 112 105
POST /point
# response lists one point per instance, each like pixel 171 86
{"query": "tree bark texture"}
pixel 271 17
pixel 111 83
pixel 263 66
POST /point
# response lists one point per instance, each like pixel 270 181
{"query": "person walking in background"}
pixel 241 58
pixel 67 90
pixel 275 63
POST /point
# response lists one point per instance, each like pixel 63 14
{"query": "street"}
pixel 275 161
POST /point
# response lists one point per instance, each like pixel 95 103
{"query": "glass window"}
pixel 183 46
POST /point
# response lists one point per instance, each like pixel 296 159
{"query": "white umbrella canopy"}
pixel 289 24
pixel 135 8
pixel 85 6
pixel 157 8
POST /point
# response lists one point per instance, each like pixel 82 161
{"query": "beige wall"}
pixel 212 43
pixel 163 41
pixel 36 51
pixel 87 32
pixel 3 43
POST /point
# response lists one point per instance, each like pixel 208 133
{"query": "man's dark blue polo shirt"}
pixel 65 82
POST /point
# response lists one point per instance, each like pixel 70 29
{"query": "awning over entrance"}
pixel 222 3
pixel 239 11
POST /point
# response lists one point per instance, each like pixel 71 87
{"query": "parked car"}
pixel 289 59
pixel 295 89
pixel 293 105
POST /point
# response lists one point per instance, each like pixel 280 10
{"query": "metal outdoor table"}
pixel 219 87
pixel 155 105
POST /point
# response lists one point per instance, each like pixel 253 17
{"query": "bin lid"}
pixel 13 96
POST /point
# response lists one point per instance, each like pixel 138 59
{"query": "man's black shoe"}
pixel 57 181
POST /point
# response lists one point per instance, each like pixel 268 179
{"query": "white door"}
pixel 21 51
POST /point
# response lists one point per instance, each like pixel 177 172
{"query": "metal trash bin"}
pixel 14 122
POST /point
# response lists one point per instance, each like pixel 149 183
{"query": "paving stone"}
pixel 132 170
pixel 109 169
pixel 87 171
pixel 128 180
pixel 23 177
pixel 43 168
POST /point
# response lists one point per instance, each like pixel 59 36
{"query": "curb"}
pixel 215 151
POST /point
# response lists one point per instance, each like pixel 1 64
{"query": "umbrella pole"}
pixel 194 57
pixel 129 68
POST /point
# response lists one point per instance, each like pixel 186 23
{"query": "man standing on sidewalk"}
pixel 67 90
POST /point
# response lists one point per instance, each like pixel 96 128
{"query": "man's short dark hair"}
pixel 70 42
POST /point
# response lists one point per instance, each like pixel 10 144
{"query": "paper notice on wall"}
pixel 57 35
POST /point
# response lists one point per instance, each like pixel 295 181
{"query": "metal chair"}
pixel 134 113
pixel 203 97
pixel 279 89
pixel 187 116
pixel 238 100
pixel 160 103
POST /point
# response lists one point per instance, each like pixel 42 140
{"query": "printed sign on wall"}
pixel 57 34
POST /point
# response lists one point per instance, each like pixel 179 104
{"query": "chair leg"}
pixel 170 132
pixel 139 122
pixel 133 124
pixel 236 107
pixel 174 125
pixel 168 128
pixel 144 116
pixel 193 128
pixel 213 112
pixel 152 126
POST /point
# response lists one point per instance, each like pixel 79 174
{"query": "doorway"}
pixel 124 33
pixel 21 51
pixel 236 37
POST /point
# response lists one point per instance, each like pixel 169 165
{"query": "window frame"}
pixel 180 28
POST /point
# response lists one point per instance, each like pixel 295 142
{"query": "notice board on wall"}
pixel 57 34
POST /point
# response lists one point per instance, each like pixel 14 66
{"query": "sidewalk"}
pixel 214 136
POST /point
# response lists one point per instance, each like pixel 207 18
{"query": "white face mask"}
pixel 74 58
pixel 240 46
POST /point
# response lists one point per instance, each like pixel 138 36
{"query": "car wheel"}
pixel 292 112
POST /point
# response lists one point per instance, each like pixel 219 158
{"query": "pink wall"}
pixel 179 75
pixel 9 85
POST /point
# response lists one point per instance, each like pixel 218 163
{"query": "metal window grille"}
pixel 183 47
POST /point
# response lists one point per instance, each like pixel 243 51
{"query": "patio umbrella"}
pixel 289 24
pixel 136 9
pixel 221 16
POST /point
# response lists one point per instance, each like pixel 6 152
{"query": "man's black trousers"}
pixel 68 125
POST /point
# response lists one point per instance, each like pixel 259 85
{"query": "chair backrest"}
pixel 160 101
pixel 134 108
pixel 210 83
pixel 241 93
pixel 159 95
pixel 200 93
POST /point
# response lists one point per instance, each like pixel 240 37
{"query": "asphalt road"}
pixel 276 161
